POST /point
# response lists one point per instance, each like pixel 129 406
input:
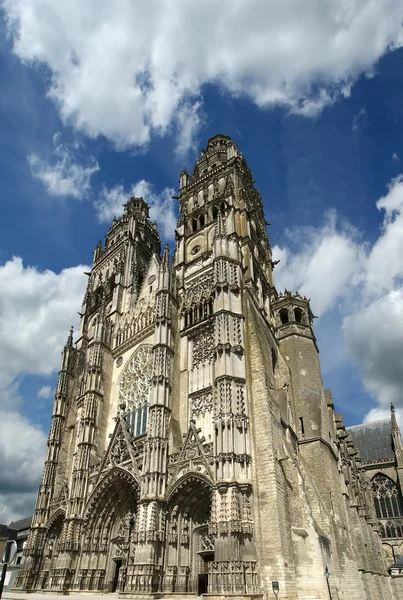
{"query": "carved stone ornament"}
pixel 202 402
pixel 119 361
pixel 207 542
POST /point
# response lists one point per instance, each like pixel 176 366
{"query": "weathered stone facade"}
pixel 193 448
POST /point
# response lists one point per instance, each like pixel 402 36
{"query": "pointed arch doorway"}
pixel 190 547
pixel 110 518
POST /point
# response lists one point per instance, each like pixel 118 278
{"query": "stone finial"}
pixel 395 426
pixel 165 258
pixel 69 343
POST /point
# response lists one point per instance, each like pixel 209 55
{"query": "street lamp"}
pixel 276 587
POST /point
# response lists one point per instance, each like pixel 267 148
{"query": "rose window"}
pixel 135 389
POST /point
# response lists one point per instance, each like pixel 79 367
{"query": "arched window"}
pixel 284 316
pixel 387 499
pixel 135 389
pixel 194 225
pixel 298 315
pixel 201 221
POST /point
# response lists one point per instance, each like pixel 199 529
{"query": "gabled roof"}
pixel 21 524
pixel 373 440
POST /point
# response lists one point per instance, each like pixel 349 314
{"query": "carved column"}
pixel 231 519
pixel 146 573
pixel 29 577
pixel 89 402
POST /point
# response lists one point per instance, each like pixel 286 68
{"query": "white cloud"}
pixel 127 70
pixel 395 157
pixel 45 392
pixel 359 120
pixel 360 287
pixel 321 263
pixel 189 121
pixel 162 206
pixel 22 465
pixel 36 311
pixel 374 338
pixel 63 175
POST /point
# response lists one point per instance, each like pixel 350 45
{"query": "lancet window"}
pixel 135 389
pixel 198 312
pixel 388 501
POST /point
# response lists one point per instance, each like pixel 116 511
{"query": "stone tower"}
pixel 193 448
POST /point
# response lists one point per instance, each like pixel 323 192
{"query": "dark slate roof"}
pixel 373 440
pixel 21 524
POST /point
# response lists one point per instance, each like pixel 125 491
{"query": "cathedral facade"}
pixel 193 448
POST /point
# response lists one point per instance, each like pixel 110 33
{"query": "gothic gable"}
pixel 193 456
pixel 120 451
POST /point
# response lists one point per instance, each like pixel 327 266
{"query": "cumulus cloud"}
pixel 36 311
pixel 321 263
pixel 162 206
pixel 22 465
pixel 333 265
pixel 45 392
pixel 127 70
pixel 64 174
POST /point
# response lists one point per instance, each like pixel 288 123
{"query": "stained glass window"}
pixel 387 499
pixel 135 389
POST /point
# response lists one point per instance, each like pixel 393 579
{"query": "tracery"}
pixel 135 389
pixel 388 501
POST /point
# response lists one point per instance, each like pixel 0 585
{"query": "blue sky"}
pixel 97 105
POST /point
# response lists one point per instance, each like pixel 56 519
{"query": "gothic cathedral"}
pixel 193 449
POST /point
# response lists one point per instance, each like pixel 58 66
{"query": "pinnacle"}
pixel 395 426
pixel 69 343
pixel 220 229
pixel 165 258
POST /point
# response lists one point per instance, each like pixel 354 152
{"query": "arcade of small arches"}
pixel 198 312
pixel 295 314
pixel 202 219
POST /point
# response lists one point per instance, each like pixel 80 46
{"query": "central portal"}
pixel 190 547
